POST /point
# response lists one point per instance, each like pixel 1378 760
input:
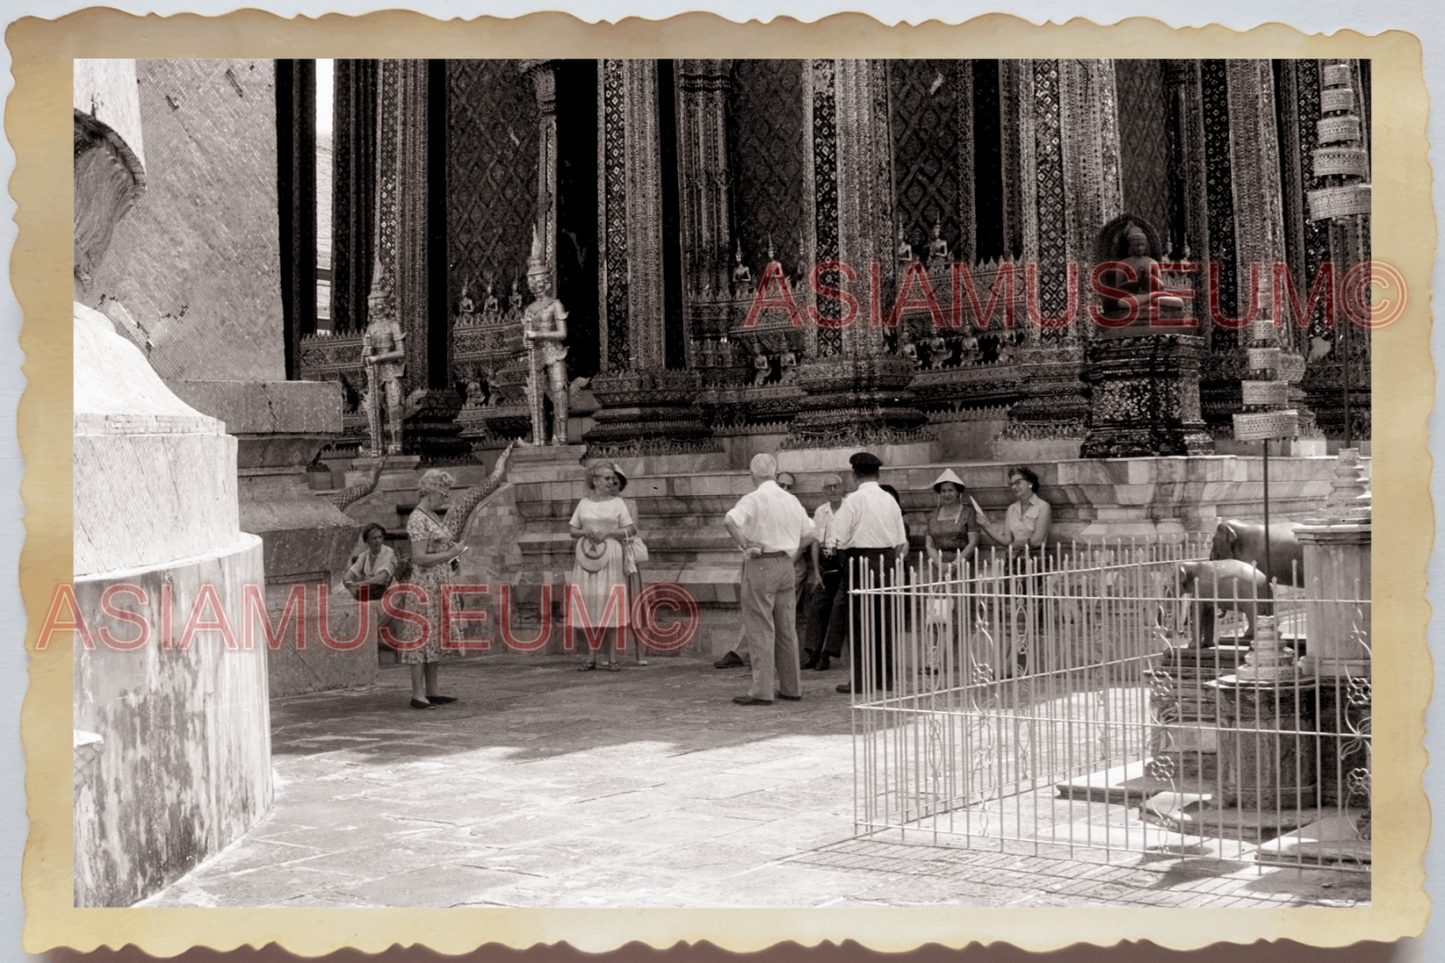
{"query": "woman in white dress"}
pixel 600 525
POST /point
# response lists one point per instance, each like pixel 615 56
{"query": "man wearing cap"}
pixel 826 576
pixel 771 527
pixel 870 533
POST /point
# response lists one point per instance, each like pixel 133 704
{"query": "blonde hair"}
pixel 435 480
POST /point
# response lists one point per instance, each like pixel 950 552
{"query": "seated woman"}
pixel 371 571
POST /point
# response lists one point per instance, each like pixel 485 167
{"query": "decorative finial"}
pixel 771 257
pixel 378 288
pixel 537 262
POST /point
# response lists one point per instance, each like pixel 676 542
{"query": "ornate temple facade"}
pixel 835 252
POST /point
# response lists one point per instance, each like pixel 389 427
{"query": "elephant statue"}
pixel 1228 585
pixel 1244 541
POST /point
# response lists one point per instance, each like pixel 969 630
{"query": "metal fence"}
pixel 1096 699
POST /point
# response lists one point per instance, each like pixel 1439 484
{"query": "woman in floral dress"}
pixel 433 550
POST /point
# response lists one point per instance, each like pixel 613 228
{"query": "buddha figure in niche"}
pixel 1139 284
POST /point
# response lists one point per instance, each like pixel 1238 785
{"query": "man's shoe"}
pixel 823 663
pixel 788 698
pixel 845 687
pixel 750 701
pixel 810 659
pixel 731 660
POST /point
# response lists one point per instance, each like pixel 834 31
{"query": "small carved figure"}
pixel 466 310
pixel 514 303
pixel 491 310
pixel 969 349
pixel 789 365
pixel 1007 351
pixel 906 347
pixel 475 392
pixel 742 276
pixel 544 329
pixel 761 366
pixel 937 249
pixel 938 351
pixel 383 356
pixel 904 250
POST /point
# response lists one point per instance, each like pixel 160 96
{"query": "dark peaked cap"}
pixel 865 460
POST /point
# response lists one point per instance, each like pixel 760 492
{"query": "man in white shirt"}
pixel 870 533
pixel 771 527
pixel 826 574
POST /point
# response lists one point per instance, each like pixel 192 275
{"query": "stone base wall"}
pixel 182 767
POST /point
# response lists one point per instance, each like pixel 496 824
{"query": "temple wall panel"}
pixel 1143 139
pixel 402 207
pixel 492 151
pixel 206 304
pixel 765 134
pixel 930 106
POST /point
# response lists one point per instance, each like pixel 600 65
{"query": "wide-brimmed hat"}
pixel 949 476
pixel 621 478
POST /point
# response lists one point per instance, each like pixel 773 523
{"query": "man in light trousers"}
pixel 771 527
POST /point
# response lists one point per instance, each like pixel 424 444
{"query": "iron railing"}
pixel 1095 699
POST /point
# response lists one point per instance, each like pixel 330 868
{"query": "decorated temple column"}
pixel 1068 149
pixel 403 241
pixel 1246 234
pixel 856 388
pixel 647 408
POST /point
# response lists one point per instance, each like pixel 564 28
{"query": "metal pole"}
pixel 1267 565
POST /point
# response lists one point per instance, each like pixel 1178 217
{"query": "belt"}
pixel 773 555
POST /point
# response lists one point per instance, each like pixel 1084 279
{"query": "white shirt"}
pixel 869 518
pixel 823 521
pixel 772 518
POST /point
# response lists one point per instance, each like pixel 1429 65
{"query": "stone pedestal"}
pixel 1184 708
pixel 856 401
pixel 1145 398
pixel 551 463
pixel 649 412
pixel 183 765
pixel 1266 750
pixel 306 541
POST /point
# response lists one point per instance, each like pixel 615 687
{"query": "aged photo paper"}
pixel 530 324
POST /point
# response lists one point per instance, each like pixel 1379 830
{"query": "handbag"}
pixel 591 558
pixel 637 548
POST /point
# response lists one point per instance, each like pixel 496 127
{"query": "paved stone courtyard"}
pixel 546 787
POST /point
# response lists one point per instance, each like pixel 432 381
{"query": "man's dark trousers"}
pixel 878 562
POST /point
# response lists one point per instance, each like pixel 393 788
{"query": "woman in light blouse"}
pixel 1026 523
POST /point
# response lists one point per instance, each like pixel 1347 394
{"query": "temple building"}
pixel 671 196
pixel 1088 266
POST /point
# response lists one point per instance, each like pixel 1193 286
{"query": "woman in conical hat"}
pixel 952 527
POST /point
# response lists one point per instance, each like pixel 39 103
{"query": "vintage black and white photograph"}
pixel 686 483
